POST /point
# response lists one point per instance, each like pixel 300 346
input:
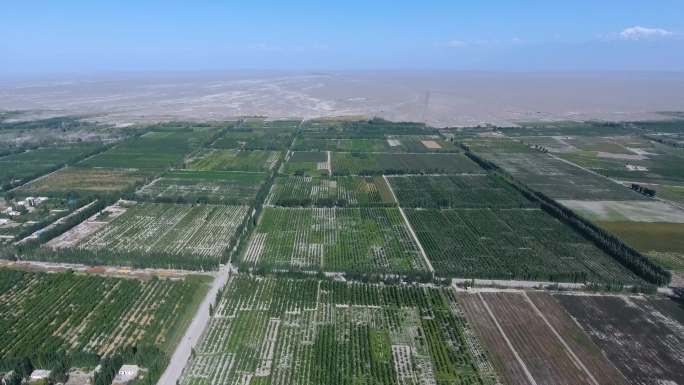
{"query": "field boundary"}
pixel 578 363
pixel 410 228
pixel 508 342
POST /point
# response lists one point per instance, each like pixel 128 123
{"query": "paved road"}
pixel 194 332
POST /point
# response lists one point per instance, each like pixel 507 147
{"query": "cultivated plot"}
pixel 456 191
pixel 154 234
pixel 255 134
pixel 376 163
pixel 336 191
pixel 105 315
pixel 643 337
pixel 510 244
pixel 532 340
pixel 153 150
pixel 307 163
pixel 19 168
pixel 283 331
pixel 553 177
pixel 334 239
pixel 85 180
pixel 188 186
pixel 235 160
pixel 391 144
pixel 364 129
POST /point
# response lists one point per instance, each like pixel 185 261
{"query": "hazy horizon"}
pixel 440 98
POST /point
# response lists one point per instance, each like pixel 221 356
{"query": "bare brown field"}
pixel 533 341
pixel 643 337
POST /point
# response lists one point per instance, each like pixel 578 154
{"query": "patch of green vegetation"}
pixel 663 241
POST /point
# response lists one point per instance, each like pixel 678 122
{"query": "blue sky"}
pixel 39 37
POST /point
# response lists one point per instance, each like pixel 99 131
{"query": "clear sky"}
pixel 136 35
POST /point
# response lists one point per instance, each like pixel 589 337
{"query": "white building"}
pixel 127 373
pixel 39 374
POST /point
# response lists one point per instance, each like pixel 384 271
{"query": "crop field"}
pixel 398 144
pixel 255 134
pixel 323 191
pixel 205 186
pixel 456 191
pixel 642 336
pixel 235 160
pixel 19 168
pixel 307 163
pixel 153 150
pixel 531 340
pixel 663 242
pixel 375 164
pixel 84 180
pixel 334 239
pixel 659 164
pixel 634 211
pixel 558 179
pixel 510 244
pixel 363 129
pixel 87 314
pixel 286 332
pixel 158 234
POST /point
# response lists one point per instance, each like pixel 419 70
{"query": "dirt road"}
pixel 194 332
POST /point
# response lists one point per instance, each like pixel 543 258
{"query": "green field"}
pixel 510 244
pixel 256 134
pixel 20 168
pixel 347 240
pixel 105 316
pixel 85 180
pixel 187 186
pixel 548 175
pixel 398 144
pixel 375 164
pixel 663 242
pixel 336 191
pixel 363 129
pixel 283 331
pixel 310 163
pixel 153 235
pixel 153 150
pixel 456 191
pixel 235 160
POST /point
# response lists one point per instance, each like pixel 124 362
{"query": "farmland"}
pixel 532 340
pixel 307 163
pixel 362 129
pixel 105 315
pixel 334 239
pixel 510 244
pixel 323 191
pixel 204 186
pixel 663 242
pixel 19 168
pixel 456 191
pixel 338 239
pixel 643 337
pixel 235 160
pixel 548 175
pixel 154 234
pixel 375 164
pixel 398 144
pixel 255 134
pixel 284 331
pixel 84 180
pixel 153 150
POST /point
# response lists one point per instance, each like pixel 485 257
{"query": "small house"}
pixel 126 374
pixel 39 375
